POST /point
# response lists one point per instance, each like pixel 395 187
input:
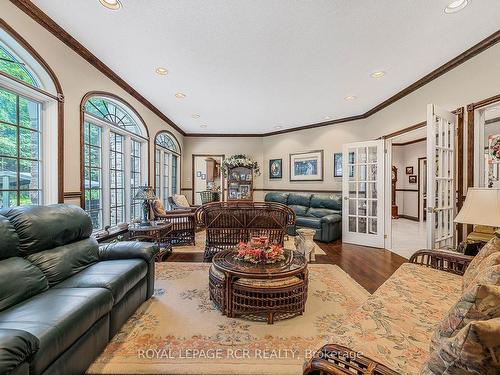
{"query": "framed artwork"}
pixel 306 166
pixel 337 164
pixel 203 176
pixel 412 179
pixel 409 170
pixel 275 168
pixel 198 174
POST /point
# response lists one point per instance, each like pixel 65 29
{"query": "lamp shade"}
pixel 481 207
pixel 145 193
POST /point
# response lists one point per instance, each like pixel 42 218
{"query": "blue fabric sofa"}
pixel 322 212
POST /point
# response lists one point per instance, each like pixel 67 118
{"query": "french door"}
pixel 363 193
pixel 440 177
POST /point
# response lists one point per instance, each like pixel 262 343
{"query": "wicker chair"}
pixel 333 359
pixel 229 223
pixel 183 223
pixel 208 196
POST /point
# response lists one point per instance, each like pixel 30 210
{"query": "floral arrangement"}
pixel 239 161
pixel 258 250
pixel 494 149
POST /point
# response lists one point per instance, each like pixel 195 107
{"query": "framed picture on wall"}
pixel 409 170
pixel 306 166
pixel 198 174
pixel 337 164
pixel 412 179
pixel 203 176
pixel 275 168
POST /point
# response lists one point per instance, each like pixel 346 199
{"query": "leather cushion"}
pixel 19 280
pixel 64 261
pixel 57 317
pixel 299 210
pixel 45 227
pixel 310 222
pixel 118 276
pixel 9 241
pixel 320 212
pixel 300 199
pixel 16 347
pixel 330 201
pixel 277 197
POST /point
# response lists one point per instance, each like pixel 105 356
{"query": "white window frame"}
pixel 49 137
pixel 161 189
pixel 106 128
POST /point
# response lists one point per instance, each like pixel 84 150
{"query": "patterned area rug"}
pixel 179 331
pixel 200 245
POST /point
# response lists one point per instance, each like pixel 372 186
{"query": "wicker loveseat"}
pixel 394 330
pixel 228 223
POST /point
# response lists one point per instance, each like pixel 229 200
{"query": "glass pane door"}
pixel 363 193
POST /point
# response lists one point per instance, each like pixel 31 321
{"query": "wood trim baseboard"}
pixel 50 25
pixel 410 190
pixel 44 20
pixel 413 218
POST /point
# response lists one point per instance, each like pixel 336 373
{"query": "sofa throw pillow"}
pixel 158 207
pixel 475 349
pixel 181 200
pixel 491 247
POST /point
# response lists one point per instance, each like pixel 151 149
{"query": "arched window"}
pixel 115 160
pixel 167 155
pixel 28 127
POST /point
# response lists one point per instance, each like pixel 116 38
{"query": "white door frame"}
pixel 357 236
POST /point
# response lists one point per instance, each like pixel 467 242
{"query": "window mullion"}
pixel 127 160
pixel 106 177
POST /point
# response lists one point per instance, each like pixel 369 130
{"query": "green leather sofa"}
pixel 62 296
pixel 322 212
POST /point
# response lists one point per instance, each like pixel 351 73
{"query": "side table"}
pixel 158 232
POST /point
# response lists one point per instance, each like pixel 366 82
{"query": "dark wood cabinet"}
pixel 240 184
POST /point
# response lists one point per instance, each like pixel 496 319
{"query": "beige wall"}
pixel 474 80
pixel 77 77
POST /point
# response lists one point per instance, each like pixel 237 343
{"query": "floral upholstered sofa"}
pixel 438 314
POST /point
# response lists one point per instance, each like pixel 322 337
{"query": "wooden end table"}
pixel 274 290
pixel 158 232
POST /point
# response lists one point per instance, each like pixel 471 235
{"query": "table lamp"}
pixel 146 194
pixel 481 207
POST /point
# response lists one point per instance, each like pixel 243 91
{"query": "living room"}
pixel 249 187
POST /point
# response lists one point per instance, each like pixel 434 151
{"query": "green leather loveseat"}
pixel 322 212
pixel 62 296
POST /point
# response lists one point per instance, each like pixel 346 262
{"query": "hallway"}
pixel 408 236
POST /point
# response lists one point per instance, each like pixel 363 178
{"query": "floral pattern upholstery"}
pixel 491 247
pixel 395 325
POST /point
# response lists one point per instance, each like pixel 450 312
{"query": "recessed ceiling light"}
pixel 111 4
pixel 350 97
pixel 328 118
pixel 180 95
pixel 203 126
pixel 278 127
pixel 161 71
pixel 378 74
pixel 195 115
pixel 456 6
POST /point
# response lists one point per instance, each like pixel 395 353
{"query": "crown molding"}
pixel 50 25
pixel 44 20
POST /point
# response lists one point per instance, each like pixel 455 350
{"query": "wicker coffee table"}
pixel 276 291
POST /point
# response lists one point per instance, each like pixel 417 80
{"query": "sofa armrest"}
pixel 333 218
pixel 16 347
pixel 334 359
pixel 442 260
pixel 128 250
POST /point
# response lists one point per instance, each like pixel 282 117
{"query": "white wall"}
pixel 402 157
pixel 77 78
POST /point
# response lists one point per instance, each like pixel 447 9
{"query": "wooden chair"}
pixel 228 223
pixel 183 223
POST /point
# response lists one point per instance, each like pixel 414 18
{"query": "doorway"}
pixel 207 176
pixel 408 177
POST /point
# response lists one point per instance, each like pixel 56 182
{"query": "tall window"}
pixel 115 161
pixel 28 158
pixel 167 154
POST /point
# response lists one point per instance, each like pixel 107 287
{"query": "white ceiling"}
pixel 411 136
pixel 247 66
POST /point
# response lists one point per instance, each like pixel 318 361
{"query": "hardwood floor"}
pixel 369 266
